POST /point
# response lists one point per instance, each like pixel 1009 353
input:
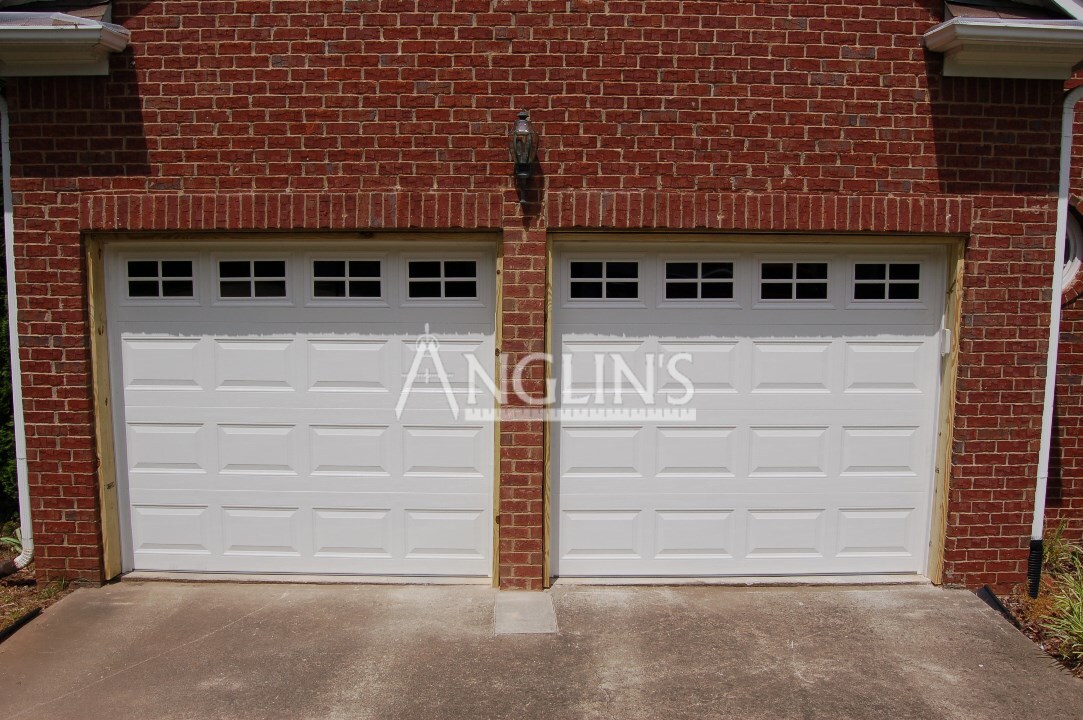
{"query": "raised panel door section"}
pixel 681 533
pixel 173 529
pixel 807 445
pixel 341 365
pixel 265 434
pixel 261 531
pixel 353 532
pixel 350 450
pixel 696 451
pixel 791 367
pixel 254 364
pixel 162 363
pixel 166 447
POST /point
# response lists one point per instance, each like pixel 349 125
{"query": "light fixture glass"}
pixel 524 152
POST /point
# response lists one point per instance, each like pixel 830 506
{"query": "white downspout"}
pixel 1037 529
pixel 27 555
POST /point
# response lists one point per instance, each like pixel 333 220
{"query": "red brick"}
pixel 672 116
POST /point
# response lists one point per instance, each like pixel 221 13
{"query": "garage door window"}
pixel 347 279
pixel 604 280
pixel 688 280
pixel 245 279
pixel 793 281
pixel 160 279
pixel 442 279
pixel 887 281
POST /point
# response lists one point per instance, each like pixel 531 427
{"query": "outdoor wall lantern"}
pixel 524 151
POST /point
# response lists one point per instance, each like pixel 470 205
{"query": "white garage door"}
pixel 258 397
pixel 784 421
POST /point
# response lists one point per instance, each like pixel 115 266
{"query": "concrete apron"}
pixel 524 613
pixel 184 650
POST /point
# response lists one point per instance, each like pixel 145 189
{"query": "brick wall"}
pixel 748 116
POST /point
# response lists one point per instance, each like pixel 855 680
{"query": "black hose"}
pixel 1034 568
pixel 10 630
pixel 986 593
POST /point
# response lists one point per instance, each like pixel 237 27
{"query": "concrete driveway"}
pixel 174 650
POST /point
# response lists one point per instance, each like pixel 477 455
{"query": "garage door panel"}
pixel 344 529
pixel 270 437
pixel 746 375
pixel 353 532
pixel 780 451
pixel 787 532
pixel 885 367
pixel 792 367
pixel 305 495
pixel 330 565
pixel 172 529
pixel 709 566
pixel 809 448
pixel 694 533
pixel 712 366
pixel 585 379
pixel 168 448
pixel 259 449
pixel 627 487
pixel 592 451
pixel 332 369
pixel 263 531
pixel 428 403
pixel 738 537
pixel 696 451
pixel 345 365
pixel 350 450
pixel 814 416
pixel 750 459
pixel 423 483
pixel 446 533
pixel 454 361
pixel 256 364
pixel 602 533
pixel 877 532
pixel 434 451
pixel 164 363
pixel 882 451
pixel 776 488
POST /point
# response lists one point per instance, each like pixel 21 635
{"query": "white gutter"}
pixel 957 30
pixel 50 44
pixel 27 528
pixel 1037 527
pixel 39 44
pixel 998 47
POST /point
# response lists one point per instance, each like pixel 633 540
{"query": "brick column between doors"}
pixel 520 503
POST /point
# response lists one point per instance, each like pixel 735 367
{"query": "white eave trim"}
pixel 1072 7
pixel 44 44
pixel 995 47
